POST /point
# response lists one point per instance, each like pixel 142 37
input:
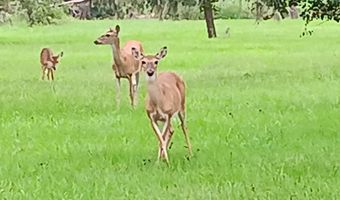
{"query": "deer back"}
pixel 131 64
pixel 46 55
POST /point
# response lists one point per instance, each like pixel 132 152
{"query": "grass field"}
pixel 263 110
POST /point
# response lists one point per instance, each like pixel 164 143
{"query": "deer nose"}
pixel 96 42
pixel 150 73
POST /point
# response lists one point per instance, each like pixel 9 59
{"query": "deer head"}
pixel 149 63
pixel 55 59
pixel 110 37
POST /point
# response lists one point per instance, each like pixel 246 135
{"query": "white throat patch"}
pixel 150 78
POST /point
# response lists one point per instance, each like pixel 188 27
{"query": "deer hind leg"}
pixel 135 82
pixel 131 91
pixel 181 116
pixel 43 69
pixel 168 135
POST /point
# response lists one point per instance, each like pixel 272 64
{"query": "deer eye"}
pixel 156 62
pixel 143 62
pixel 107 35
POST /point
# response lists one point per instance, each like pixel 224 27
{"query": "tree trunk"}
pixel 90 6
pixel 209 18
pixel 240 9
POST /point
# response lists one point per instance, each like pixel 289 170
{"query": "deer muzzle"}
pixel 97 42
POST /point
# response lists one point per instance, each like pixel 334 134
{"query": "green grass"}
pixel 263 110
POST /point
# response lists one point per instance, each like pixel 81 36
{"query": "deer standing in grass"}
pixel 165 99
pixel 124 64
pixel 48 63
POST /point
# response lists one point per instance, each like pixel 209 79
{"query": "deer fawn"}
pixel 124 66
pixel 48 62
pixel 166 97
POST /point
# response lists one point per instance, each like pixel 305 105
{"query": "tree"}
pixel 311 9
pixel 208 9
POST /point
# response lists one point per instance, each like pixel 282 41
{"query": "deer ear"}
pixel 162 53
pixel 136 54
pixel 117 28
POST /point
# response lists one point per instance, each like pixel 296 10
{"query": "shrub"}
pixel 231 10
pixel 41 12
pixel 189 12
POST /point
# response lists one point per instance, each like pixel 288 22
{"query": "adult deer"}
pixel 165 99
pixel 124 64
pixel 48 62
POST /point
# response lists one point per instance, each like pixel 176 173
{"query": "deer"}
pixel 48 62
pixel 124 64
pixel 165 98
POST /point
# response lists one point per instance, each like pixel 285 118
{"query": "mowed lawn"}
pixel 263 112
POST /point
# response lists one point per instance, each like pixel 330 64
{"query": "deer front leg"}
pixel 48 73
pixel 166 135
pixel 158 133
pixel 167 138
pixel 117 91
pixel 162 144
pixel 52 75
pixel 117 75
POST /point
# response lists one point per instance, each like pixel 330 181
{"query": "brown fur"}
pixel 124 66
pixel 170 97
pixel 165 98
pixel 48 62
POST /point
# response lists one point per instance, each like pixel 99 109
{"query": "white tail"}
pixel 48 63
pixel 166 97
pixel 124 66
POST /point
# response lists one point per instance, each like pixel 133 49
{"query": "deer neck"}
pixel 154 92
pixel 116 54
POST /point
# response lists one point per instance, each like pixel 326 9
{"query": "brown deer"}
pixel 165 99
pixel 48 63
pixel 124 64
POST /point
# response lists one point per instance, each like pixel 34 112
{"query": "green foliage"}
pixel 102 10
pixel 189 12
pixel 324 10
pixel 232 10
pixel 311 9
pixel 263 110
pixel 170 9
pixel 41 12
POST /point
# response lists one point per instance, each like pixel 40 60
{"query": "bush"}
pixel 189 12
pixel 231 10
pixel 41 12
